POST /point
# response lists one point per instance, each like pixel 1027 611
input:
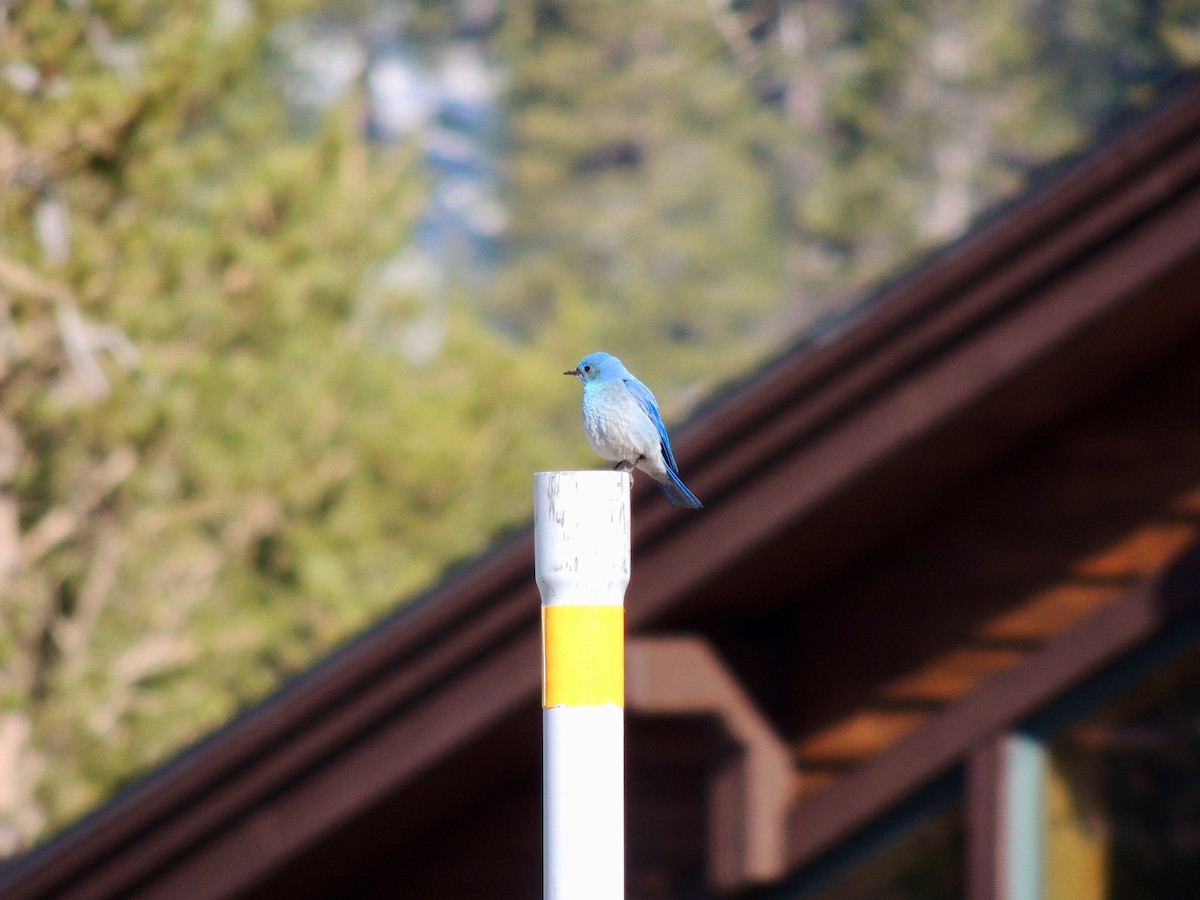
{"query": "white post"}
pixel 581 553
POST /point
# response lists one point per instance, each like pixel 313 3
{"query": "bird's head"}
pixel 597 366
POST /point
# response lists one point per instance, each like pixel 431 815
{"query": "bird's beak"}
pixel 574 372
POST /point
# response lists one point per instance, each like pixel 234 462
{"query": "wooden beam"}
pixel 820 821
pixel 750 790
pixel 984 846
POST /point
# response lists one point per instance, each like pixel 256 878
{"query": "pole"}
pixel 581 553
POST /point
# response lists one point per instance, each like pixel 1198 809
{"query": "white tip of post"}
pixel 581 536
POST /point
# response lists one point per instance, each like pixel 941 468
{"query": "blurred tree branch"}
pixel 60 523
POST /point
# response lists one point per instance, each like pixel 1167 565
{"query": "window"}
pixel 1101 794
pixel 1121 795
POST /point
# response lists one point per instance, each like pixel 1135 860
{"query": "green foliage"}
pixel 227 507
pixel 217 458
pixel 638 188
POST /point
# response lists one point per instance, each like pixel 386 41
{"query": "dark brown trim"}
pixel 751 789
pixel 984 834
pixel 1142 613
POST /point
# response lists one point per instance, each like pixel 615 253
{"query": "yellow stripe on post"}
pixel 584 655
pixel 581 563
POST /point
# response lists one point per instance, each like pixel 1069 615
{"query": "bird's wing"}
pixel 649 406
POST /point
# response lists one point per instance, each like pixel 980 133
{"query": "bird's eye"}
pixel 587 368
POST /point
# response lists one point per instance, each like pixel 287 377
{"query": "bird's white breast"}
pixel 615 425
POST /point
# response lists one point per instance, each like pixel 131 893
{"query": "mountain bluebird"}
pixel 622 423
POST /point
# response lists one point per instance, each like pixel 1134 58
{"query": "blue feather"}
pixel 622 423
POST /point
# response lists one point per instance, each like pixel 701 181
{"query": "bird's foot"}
pixel 625 465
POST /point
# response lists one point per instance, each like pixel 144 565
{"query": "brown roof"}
pixel 902 550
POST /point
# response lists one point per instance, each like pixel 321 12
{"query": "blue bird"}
pixel 622 423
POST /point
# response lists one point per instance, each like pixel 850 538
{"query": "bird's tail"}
pixel 678 493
